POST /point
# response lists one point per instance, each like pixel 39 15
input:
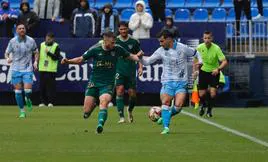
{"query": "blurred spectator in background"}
pixel 240 5
pixel 8 18
pixel 83 21
pixel 107 20
pixel 158 9
pixel 260 9
pixel 67 7
pixel 48 66
pixel 28 18
pixel 169 25
pixel 47 9
pixel 141 22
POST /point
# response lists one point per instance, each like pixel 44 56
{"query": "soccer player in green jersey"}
pixel 126 73
pixel 101 83
pixel 213 62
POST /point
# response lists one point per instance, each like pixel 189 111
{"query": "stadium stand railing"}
pixel 252 40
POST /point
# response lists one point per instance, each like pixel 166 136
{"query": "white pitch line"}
pixel 254 139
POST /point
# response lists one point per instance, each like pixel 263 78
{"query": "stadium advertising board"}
pixel 74 78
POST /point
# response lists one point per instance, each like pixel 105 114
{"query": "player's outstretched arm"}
pixel 149 60
pixel 137 56
pixel 76 60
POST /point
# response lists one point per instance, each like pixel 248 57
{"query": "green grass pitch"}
pixel 60 134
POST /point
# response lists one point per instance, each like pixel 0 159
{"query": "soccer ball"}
pixel 154 113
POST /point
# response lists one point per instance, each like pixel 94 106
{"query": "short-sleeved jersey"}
pixel 127 67
pixel 104 63
pixel 174 62
pixel 21 52
pixel 210 57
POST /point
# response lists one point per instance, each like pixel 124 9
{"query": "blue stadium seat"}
pixel 219 15
pixel 182 15
pixel 126 14
pixel 175 3
pixel 259 29
pixel 168 12
pixel 101 3
pixel 91 3
pixel 211 3
pixel 193 3
pixel 253 3
pixel 15 4
pixel 31 2
pixel 227 4
pixel 123 4
pixel 265 3
pixel 265 13
pixel 254 12
pixel 231 15
pixel 200 14
pixel 148 11
pixel 229 30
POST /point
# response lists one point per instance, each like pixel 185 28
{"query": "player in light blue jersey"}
pixel 175 75
pixel 19 53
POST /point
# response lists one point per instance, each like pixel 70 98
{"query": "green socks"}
pixel 102 116
pixel 120 106
pixel 131 103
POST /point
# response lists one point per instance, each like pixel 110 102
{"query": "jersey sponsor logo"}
pixel 130 46
pixel 106 64
pixel 113 53
pixel 100 54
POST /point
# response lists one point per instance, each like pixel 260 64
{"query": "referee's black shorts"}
pixel 206 80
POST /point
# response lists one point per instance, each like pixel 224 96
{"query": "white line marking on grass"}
pixel 227 129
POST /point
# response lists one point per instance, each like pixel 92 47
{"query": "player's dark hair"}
pixel 109 34
pixel 208 32
pixel 50 34
pixel 123 23
pixel 165 34
pixel 20 24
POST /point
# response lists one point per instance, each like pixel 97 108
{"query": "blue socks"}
pixel 166 115
pixel 19 99
pixel 102 116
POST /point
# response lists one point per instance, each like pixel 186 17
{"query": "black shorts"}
pixel 206 80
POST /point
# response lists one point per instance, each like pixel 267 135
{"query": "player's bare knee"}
pixel 179 104
pixel 18 87
pixel 104 102
pixel 132 95
pixel 166 102
pixel 120 90
pixel 120 93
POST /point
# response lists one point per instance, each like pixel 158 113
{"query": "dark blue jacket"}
pixel 83 22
